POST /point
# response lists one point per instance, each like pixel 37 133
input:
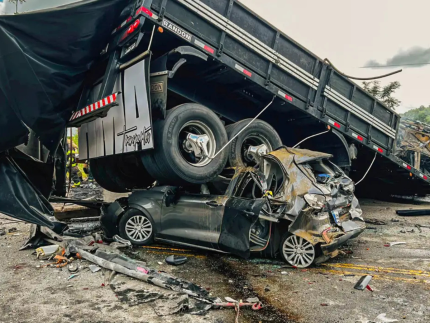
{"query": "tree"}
pixel 419 114
pixel 385 94
pixel 16 3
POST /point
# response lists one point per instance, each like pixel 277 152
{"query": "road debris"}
pixel 47 251
pixel 382 318
pixel 176 260
pixel 73 268
pixel 390 244
pixel 12 230
pixel 375 221
pixel 72 276
pixel 94 268
pixel 2 231
pixel 419 212
pixel 363 282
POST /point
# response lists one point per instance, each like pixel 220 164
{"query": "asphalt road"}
pixel 400 284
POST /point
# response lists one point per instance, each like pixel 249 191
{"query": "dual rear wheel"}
pixel 187 146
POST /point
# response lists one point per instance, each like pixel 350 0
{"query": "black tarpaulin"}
pixel 44 57
pixel 19 199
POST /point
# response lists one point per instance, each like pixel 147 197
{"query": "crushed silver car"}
pixel 294 203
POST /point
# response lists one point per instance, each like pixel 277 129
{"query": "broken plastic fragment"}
pixel 72 276
pixel 176 260
pixel 390 244
pixel 94 268
pixel 363 282
pixel 381 318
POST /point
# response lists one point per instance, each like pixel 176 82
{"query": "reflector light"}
pixel 425 177
pixel 248 73
pixel 207 48
pixel 133 27
pixel 408 167
pixel 143 9
pixel 380 150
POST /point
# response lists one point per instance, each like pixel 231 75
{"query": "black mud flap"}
pixel 21 200
pixel 240 214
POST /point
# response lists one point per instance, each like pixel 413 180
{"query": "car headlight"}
pixel 315 200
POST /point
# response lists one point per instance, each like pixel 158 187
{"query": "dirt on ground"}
pixel 399 290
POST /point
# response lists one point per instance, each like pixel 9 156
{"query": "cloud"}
pixel 412 57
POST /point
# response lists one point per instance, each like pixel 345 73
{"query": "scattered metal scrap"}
pixel 188 297
pixel 413 144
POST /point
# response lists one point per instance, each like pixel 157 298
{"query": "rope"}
pixel 367 170
pixel 229 142
pixel 326 60
pixel 321 133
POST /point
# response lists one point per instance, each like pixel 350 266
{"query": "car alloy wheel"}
pixel 138 228
pixel 298 251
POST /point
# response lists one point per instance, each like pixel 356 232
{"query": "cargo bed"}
pixel 271 62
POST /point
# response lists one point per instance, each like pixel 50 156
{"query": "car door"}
pixel 193 219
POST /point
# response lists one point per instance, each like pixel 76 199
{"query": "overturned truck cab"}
pixel 293 203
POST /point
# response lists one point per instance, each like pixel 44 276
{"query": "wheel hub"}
pixel 139 228
pixel 197 143
pixel 298 251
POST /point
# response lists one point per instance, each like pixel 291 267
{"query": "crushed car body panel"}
pixel 294 186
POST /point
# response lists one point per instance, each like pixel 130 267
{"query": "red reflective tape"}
pixel 128 19
pixel 247 73
pixel 104 102
pixel 114 96
pixel 357 136
pixel 98 104
pixel 108 99
pixel 209 49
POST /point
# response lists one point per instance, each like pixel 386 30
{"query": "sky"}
pixel 350 33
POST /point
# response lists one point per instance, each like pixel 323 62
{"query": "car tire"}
pixel 170 162
pixel 257 133
pixel 302 257
pixel 138 236
pixel 120 173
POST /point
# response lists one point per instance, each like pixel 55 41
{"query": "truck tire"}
pixel 257 133
pixel 120 173
pixel 174 162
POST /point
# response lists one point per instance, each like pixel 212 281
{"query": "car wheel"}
pixel 297 251
pixel 136 227
pixel 120 173
pixel 174 159
pixel 257 133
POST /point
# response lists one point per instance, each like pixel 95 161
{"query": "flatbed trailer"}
pixel 249 62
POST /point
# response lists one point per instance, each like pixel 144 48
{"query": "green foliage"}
pixel 385 93
pixel 419 114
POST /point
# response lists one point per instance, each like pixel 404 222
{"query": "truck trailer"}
pixel 176 92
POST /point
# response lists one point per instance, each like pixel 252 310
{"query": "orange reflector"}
pixel 410 174
pixel 328 127
pixel 160 29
